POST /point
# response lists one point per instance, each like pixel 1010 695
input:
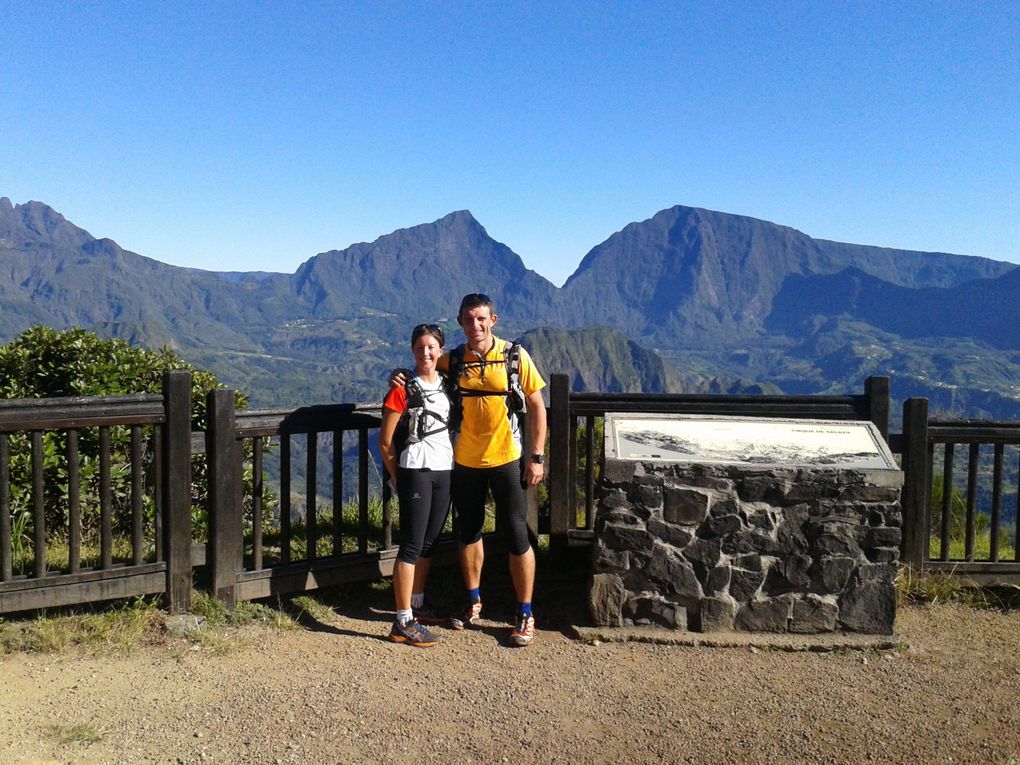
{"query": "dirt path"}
pixel 336 691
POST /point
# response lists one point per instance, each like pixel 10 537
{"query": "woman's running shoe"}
pixel 412 633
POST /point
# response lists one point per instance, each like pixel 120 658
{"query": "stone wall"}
pixel 732 547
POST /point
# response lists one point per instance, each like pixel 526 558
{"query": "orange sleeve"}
pixel 396 399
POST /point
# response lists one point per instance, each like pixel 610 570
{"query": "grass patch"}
pixel 982 547
pixel 217 642
pixel 306 604
pixel 78 733
pixel 930 587
pixel 118 628
pixel 245 613
pixel 133 624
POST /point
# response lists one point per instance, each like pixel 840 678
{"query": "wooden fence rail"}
pixel 258 547
pixel 922 437
pixel 159 474
pixel 235 579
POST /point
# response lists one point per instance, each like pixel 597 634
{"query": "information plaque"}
pixel 843 444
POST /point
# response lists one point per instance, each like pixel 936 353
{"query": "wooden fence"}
pixel 237 576
pixel 920 443
pixel 243 560
pixel 160 555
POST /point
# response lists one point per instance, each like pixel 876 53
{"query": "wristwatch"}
pixel 539 458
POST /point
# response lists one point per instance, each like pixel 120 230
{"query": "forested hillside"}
pixel 689 299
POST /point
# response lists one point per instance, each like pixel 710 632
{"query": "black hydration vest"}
pixel 417 421
pixel 516 402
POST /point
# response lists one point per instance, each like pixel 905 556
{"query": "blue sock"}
pixel 475 594
pixel 524 609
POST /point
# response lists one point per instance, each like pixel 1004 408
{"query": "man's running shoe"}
pixel 524 631
pixel 426 613
pixel 412 633
pixel 469 617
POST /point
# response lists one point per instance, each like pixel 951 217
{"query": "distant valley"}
pixel 688 300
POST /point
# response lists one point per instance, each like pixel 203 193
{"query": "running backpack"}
pixel 516 402
pixel 417 421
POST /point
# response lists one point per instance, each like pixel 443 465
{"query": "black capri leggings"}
pixel 470 489
pixel 424 504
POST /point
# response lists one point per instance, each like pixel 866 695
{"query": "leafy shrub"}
pixel 43 362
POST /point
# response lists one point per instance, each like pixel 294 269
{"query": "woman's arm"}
pixel 390 419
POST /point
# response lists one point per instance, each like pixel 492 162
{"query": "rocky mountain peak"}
pixel 35 223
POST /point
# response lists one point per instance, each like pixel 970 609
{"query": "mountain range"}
pixel 687 300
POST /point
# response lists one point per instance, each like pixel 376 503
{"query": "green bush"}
pixel 44 362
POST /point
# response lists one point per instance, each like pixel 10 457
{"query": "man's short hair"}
pixel 475 300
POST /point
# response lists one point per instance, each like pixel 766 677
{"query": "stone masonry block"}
pixel 678 536
pixel 703 551
pixel 684 505
pixel 605 560
pixel 618 471
pixel 831 574
pixel 869 607
pixel 620 537
pixel 648 608
pixel 606 596
pixel 768 615
pixel 744 584
pixel 717 580
pixel 813 614
pixel 717 614
pixel 767 488
pixel 883 537
pixel 673 575
pixel 646 496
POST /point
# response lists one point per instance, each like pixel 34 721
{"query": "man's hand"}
pixel 398 377
pixel 533 473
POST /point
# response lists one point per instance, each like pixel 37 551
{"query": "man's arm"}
pixel 534 471
pixel 399 376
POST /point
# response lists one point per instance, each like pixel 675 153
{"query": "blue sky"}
pixel 252 136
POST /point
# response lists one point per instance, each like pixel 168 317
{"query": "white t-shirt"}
pixel 435 451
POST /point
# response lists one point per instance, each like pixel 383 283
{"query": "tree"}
pixel 43 362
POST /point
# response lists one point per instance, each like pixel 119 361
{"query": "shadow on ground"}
pixel 559 601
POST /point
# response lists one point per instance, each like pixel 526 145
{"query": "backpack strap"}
pixel 516 401
pixel 418 412
pixel 455 369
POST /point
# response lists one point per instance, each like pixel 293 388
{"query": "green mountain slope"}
pixel 723 298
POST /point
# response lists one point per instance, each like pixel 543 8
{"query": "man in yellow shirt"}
pixel 487 456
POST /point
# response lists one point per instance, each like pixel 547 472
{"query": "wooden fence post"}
pixel 224 551
pixel 877 391
pixel 176 488
pixel 560 456
pixel 914 497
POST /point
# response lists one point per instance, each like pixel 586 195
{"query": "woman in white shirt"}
pixel 414 440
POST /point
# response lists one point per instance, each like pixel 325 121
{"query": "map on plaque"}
pixel 763 442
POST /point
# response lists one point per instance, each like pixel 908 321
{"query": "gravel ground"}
pixel 335 690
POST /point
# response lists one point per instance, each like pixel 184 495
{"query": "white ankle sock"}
pixel 417 599
pixel 404 616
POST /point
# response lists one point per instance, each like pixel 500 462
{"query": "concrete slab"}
pixel 763 641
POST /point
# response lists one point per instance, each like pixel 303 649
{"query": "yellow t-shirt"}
pixel 488 437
